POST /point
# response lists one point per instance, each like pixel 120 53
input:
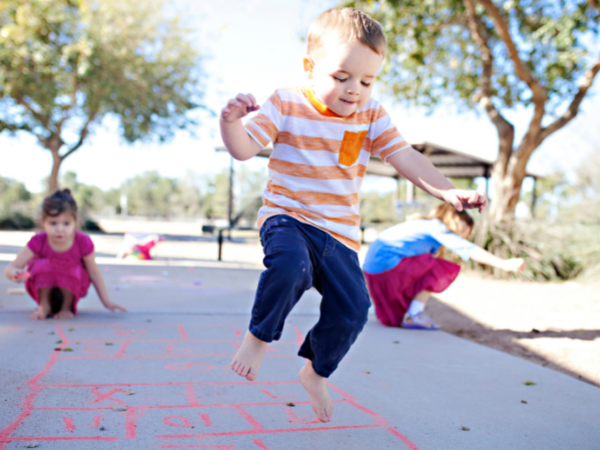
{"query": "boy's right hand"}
pixel 238 107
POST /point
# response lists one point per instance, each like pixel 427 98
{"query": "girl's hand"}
pixel 238 107
pixel 16 275
pixel 514 265
pixel 112 306
pixel 466 199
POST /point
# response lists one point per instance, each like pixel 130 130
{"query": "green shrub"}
pixel 16 221
pixel 552 251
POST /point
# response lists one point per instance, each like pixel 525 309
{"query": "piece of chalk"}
pixel 15 291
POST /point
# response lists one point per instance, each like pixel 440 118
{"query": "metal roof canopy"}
pixel 451 163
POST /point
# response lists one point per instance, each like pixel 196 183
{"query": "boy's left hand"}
pixel 466 199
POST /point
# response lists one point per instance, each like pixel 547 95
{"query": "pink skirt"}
pixel 54 273
pixel 393 290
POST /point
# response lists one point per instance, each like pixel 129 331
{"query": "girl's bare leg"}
pixel 423 296
pixel 67 305
pixel 43 308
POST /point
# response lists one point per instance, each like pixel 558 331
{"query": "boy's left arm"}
pixel 418 169
pixel 98 281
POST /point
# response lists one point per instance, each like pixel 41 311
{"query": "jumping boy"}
pixel 323 135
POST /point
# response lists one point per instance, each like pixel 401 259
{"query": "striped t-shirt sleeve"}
pixel 386 139
pixel 264 126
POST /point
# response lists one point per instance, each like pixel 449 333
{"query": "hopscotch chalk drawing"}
pixel 170 386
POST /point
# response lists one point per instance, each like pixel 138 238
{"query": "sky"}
pixel 254 46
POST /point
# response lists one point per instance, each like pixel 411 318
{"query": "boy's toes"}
pixel 251 376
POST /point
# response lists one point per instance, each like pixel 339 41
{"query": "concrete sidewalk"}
pixel 164 368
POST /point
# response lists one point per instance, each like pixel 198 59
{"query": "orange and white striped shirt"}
pixel 319 159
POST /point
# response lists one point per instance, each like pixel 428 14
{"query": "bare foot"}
pixel 317 392
pixel 246 361
pixel 64 314
pixel 40 313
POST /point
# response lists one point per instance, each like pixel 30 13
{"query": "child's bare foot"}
pixel 246 361
pixel 64 314
pixel 317 392
pixel 40 313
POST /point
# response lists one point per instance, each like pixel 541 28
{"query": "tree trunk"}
pixel 54 146
pixel 508 181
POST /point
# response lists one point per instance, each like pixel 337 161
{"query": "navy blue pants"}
pixel 298 256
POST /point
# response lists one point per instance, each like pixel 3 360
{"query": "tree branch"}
pixel 539 92
pixel 594 4
pixel 40 118
pixel 13 127
pixel 484 97
pixel 69 107
pixel 573 109
pixel 502 28
pixel 82 135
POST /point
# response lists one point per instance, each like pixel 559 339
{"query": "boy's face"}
pixel 343 76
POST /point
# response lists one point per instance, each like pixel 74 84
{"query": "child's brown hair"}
pixel 58 203
pixel 449 216
pixel 345 25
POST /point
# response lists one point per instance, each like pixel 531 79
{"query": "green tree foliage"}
pixel 89 198
pixel 249 186
pixel 216 199
pixel 67 64
pixel 376 208
pixel 150 194
pixel 12 193
pixel 15 205
pixel 499 55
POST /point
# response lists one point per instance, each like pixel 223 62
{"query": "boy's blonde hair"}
pixel 345 25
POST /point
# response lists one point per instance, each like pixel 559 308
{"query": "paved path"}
pixel 165 364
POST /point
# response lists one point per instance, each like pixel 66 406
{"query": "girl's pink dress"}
pixel 51 269
pixel 393 290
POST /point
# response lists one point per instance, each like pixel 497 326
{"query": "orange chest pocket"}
pixel 351 145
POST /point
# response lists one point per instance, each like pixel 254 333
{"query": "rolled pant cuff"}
pixel 318 370
pixel 259 334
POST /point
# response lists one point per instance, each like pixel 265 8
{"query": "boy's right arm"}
pixel 15 268
pixel 239 144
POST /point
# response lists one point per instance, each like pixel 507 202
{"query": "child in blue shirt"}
pixel 402 271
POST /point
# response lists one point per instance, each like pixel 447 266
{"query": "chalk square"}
pixel 195 422
pixel 244 393
pixel 144 349
pixel 111 395
pixel 282 417
pixel 122 331
pixel 72 424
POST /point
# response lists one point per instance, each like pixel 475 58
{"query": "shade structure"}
pixel 450 162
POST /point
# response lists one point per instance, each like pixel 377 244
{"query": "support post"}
pixel 487 181
pixel 533 197
pixel 410 191
pixel 230 206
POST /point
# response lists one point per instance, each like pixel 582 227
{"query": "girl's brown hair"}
pixel 58 203
pixel 449 216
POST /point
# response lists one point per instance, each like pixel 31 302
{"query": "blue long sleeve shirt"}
pixel 412 238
